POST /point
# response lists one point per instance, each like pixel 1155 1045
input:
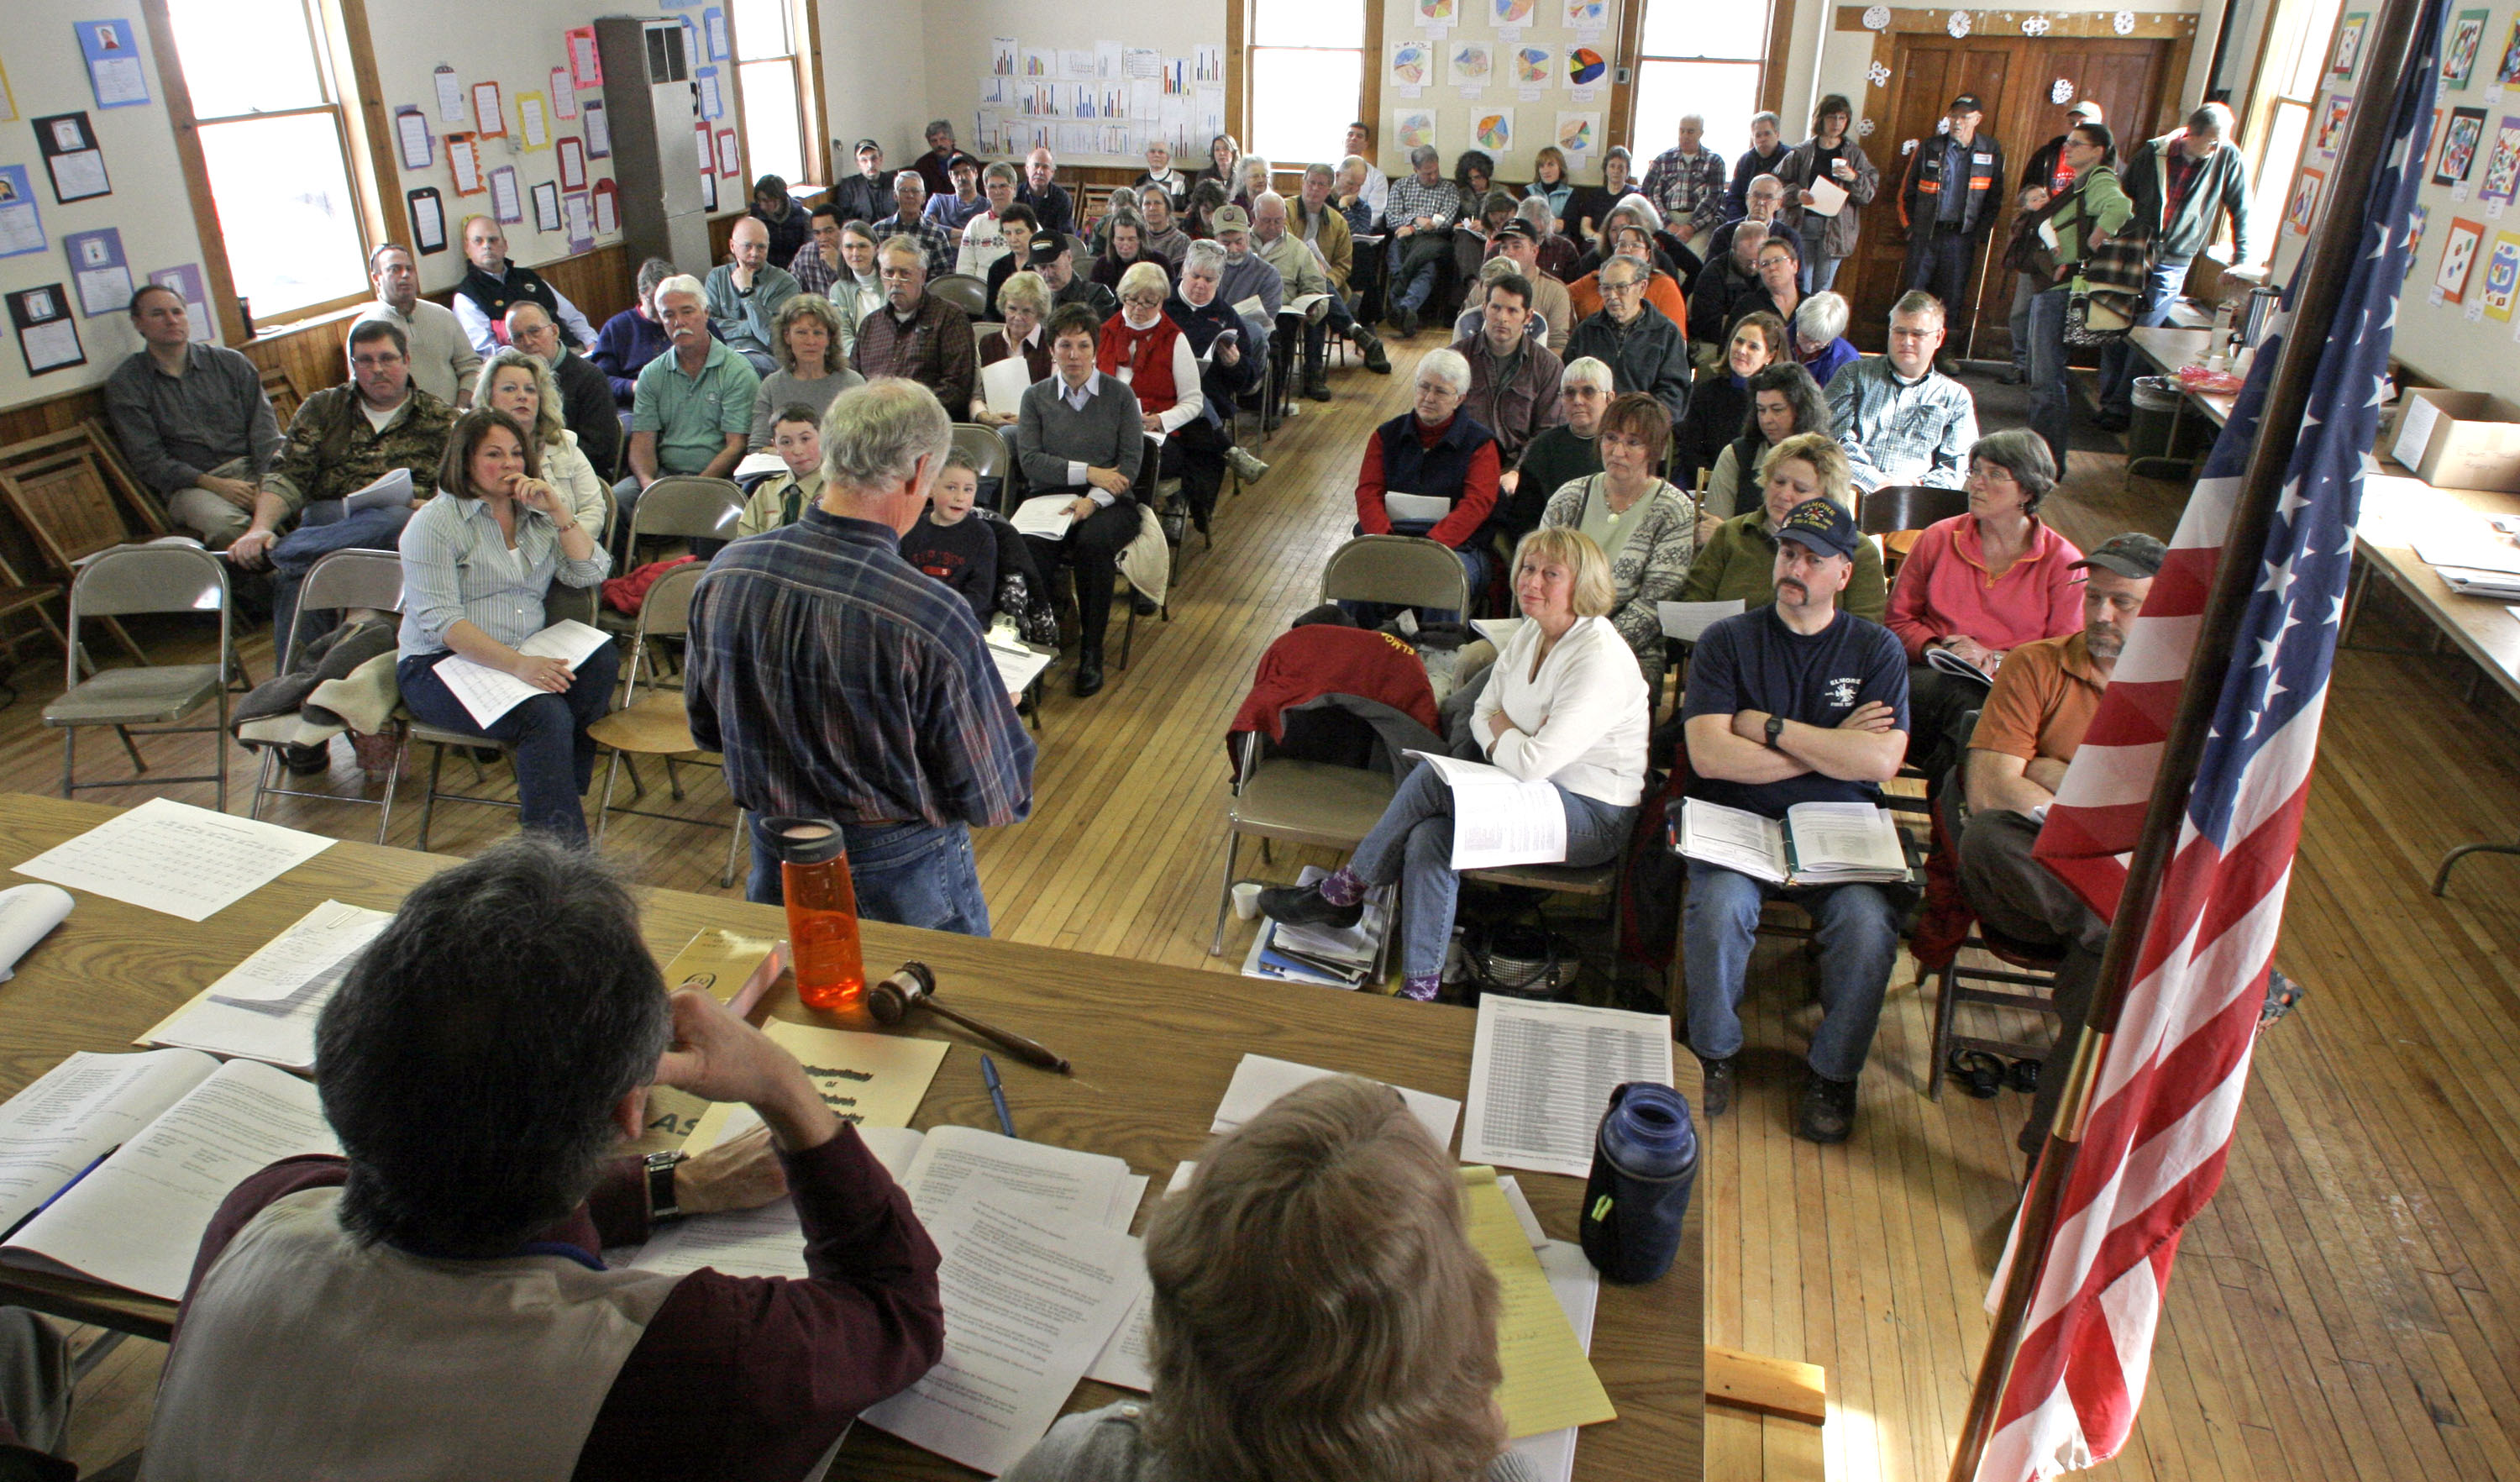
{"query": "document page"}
pixel 1844 836
pixel 175 858
pixel 1550 1454
pixel 1688 621
pixel 1548 1382
pixel 1017 672
pixel 958 1163
pixel 1259 1081
pixel 28 914
pixel 1045 516
pixel 1733 838
pixel 77 1112
pixel 265 1008
pixel 1498 819
pixel 1417 506
pixel 488 694
pixel 1003 382
pixel 2414 432
pixel 1827 197
pixel 1541 1076
pixel 391 492
pixel 137 1221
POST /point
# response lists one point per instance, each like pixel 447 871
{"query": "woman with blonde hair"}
pixel 1564 704
pixel 523 386
pixel 1025 300
pixel 1739 559
pixel 1377 1359
pixel 809 340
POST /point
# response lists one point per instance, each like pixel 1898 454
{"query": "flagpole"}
pixel 2330 262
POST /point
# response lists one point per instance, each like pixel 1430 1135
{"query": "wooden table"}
pixel 2172 348
pixel 1153 1047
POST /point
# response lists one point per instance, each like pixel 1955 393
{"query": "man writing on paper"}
pixel 2042 702
pixel 1792 703
pixel 435 1297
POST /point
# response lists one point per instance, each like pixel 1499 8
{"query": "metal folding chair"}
pixel 343 579
pixel 1398 570
pixel 963 291
pixel 655 723
pixel 124 582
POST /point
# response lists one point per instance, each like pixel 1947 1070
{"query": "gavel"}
pixel 913 986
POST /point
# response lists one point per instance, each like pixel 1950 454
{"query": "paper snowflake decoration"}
pixel 2060 92
pixel 1880 74
pixel 2123 23
pixel 1907 146
pixel 1958 24
pixel 2035 26
pixel 1877 18
pixel 1864 130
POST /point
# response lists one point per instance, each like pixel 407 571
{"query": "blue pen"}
pixel 997 1095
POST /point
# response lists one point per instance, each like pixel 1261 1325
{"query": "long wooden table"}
pixel 1153 1047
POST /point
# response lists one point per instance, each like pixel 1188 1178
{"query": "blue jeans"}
pixel 1819 271
pixel 322 530
pixel 2117 361
pixel 1416 260
pixel 1858 939
pixel 910 875
pixel 1413 843
pixel 2051 410
pixel 555 757
pixel 1475 558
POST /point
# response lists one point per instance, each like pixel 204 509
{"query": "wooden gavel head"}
pixel 891 1000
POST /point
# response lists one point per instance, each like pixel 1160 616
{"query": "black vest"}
pixel 1409 467
pixel 522 286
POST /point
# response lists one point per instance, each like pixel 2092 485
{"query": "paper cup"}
pixel 1247 899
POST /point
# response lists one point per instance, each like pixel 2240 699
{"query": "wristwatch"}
pixel 1776 729
pixel 661 1204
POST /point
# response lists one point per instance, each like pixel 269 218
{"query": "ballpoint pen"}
pixel 997 1095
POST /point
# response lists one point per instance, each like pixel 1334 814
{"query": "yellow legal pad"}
pixel 875 1079
pixel 1548 1382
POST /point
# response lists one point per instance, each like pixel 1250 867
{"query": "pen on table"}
pixel 56 1193
pixel 997 1095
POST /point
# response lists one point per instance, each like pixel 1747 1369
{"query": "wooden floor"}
pixel 2346 1309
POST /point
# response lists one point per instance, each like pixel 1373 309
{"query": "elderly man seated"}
pixel 1300 272
pixel 1513 377
pixel 910 218
pixel 915 334
pixel 694 409
pixel 1765 199
pixel 443 361
pixel 192 419
pixel 1248 275
pixel 1049 201
pixel 1900 420
pixel 1728 287
pixel 1644 350
pixel 1081 434
pixel 1441 464
pixel 1420 213
pixel 1054 258
pixel 435 1293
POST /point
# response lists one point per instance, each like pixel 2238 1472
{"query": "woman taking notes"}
pixel 1565 705
pixel 476 563
pixel 1644 524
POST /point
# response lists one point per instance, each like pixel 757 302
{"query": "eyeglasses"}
pixel 1621 288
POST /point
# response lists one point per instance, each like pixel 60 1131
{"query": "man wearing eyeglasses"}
pixel 915 334
pixel 1900 420
pixel 1644 350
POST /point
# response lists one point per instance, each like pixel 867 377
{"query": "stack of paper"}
pixel 1541 1076
pixel 1331 957
pixel 1259 1081
pixel 1045 514
pixel 1548 1382
pixel 488 694
pixel 265 1008
pixel 1498 818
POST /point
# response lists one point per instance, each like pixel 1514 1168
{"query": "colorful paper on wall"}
pixel 113 68
pixel 99 272
pixel 2502 275
pixel 22 226
pixel 585 57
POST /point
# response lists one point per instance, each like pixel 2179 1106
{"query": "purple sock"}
pixel 1342 888
pixel 1422 986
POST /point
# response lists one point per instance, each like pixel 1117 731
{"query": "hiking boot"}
pixel 1720 1075
pixel 1376 359
pixel 1316 386
pixel 1304 905
pixel 1827 1112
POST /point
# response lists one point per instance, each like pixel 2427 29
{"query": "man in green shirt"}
pixel 692 411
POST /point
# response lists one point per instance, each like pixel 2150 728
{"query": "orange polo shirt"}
pixel 2042 701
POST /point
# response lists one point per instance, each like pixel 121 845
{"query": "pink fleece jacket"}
pixel 1944 590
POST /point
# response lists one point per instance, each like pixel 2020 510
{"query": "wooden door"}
pixel 2018 77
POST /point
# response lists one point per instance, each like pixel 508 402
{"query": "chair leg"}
pixel 220 751
pixel 1942 1030
pixel 394 779
pixel 132 746
pixel 673 781
pixel 428 803
pixel 70 757
pixel 733 842
pixel 261 781
pixel 1129 633
pixel 1225 892
pixel 604 806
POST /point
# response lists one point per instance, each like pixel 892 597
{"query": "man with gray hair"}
pixel 2183 184
pixel 936 166
pixel 1686 182
pixel 1644 350
pixel 1768 150
pixel 585 395
pixel 842 684
pixel 915 334
pixel 443 361
pixel 1728 285
pixel 693 412
pixel 910 218
pixel 1764 199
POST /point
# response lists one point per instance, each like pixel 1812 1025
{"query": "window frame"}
pixel 1626 74
pixel 2270 100
pixel 1241 30
pixel 804 47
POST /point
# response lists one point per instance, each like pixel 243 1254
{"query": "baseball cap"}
pixel 865 145
pixel 1967 103
pixel 2086 109
pixel 2132 554
pixel 960 160
pixel 1231 218
pixel 1046 247
pixel 1820 525
pixel 1516 227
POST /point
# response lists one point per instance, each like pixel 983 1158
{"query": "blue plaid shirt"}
pixel 841 681
pixel 1901 431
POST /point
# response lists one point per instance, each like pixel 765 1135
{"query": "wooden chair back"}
pixel 281 387
pixel 72 496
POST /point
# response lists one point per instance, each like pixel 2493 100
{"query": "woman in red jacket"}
pixel 1142 347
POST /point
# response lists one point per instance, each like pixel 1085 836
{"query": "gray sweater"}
pixel 780 389
pixel 1053 440
pixel 1109 1445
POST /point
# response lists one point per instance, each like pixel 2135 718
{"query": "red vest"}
pixel 1147 356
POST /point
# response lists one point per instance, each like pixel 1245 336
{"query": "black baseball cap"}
pixel 959 160
pixel 1967 103
pixel 865 145
pixel 1820 525
pixel 2134 554
pixel 1516 227
pixel 1047 247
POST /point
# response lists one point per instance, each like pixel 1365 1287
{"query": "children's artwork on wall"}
pixel 2502 165
pixel 2332 121
pixel 2415 220
pixel 2459 256
pixel 1416 126
pixel 1494 130
pixel 2349 44
pixel 2304 209
pixel 2509 70
pixel 2501 277
pixel 2458 145
pixel 2458 55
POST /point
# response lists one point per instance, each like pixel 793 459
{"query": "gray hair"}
pixel 1319 171
pixel 1423 153
pixel 874 434
pixel 1760 185
pixel 549 423
pixel 1025 291
pixel 2023 454
pixel 1449 367
pixel 1820 319
pixel 1767 117
pixel 1698 119
pixel 2211 115
pixel 1638 268
pixel 1590 371
pixel 1204 257
pixel 903 245
pixel 1356 162
pixel 998 169
pixel 1918 301
pixel 1141 278
pixel 684 285
pixel 913 177
pixel 1267 196
pixel 1249 162
pixel 1638 209
pixel 1124 198
pixel 1535 210
pixel 938 126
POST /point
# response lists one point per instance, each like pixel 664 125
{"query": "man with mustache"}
pixel 2042 702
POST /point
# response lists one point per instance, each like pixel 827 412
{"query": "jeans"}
pixel 910 875
pixel 1338 321
pixel 2024 288
pixel 2017 896
pixel 1476 560
pixel 1939 258
pixel 1820 270
pixel 2051 410
pixel 555 757
pixel 322 530
pixel 1416 263
pixel 1195 455
pixel 2161 285
pixel 1413 844
pixel 1859 938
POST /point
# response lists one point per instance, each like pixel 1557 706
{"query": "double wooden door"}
pixel 2018 78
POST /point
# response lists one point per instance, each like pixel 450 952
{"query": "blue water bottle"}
pixel 1644 1162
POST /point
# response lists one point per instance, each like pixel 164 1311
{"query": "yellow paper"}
pixel 1548 1382
pixel 876 1080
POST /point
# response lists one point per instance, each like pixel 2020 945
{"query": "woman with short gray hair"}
pixel 1818 336
pixel 1434 451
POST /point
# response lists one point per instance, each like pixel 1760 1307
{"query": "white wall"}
pixel 876 70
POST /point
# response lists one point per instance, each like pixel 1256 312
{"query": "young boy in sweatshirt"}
pixel 951 545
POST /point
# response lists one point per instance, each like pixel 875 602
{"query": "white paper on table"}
pixel 172 857
pixel 1003 382
pixel 78 1111
pixel 1827 197
pixel 1045 516
pixel 1521 1203
pixel 1126 1356
pixel 1498 818
pixel 2414 430
pixel 488 694
pixel 958 1164
pixel 1260 1079
pixel 1415 507
pixel 1017 672
pixel 1550 1454
pixel 1541 1076
pixel 26 914
pixel 767 1242
pixel 1687 621
pixel 265 1008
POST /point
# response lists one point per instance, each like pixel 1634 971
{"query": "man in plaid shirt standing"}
pixel 1686 183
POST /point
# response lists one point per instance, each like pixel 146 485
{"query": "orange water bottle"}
pixel 822 913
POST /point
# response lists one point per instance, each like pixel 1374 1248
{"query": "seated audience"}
pixel 745 294
pixel 1818 336
pixel 1081 434
pixel 805 339
pixel 796 436
pixel 634 336
pixel 1739 559
pixel 1551 185
pixel 1474 172
pixel 1199 218
pixel 955 545
pixel 1165 237
pixel 1784 401
pixel 818 264
pixel 935 167
pixel 1127 247
pixel 1145 350
pixel 1644 524
pixel 1780 291
pixel 1471 236
pixel 585 393
pixel 1300 272
pixel 1054 258
pixel 492 283
pixel 1223 150
pixel 1421 212
pixel 1252 179
pixel 1160 175
pixel 1794 703
pixel 867 194
pixel 1024 304
pixel 910 219
pixel 513 381
pixel 954 209
pixel 1900 420
pixel 913 333
pixel 1513 377
pixel 1560 454
pixel 1248 275
pixel 1557 252
pixel 1762 203
pixel 1717 403
pixel 1827 155
pixel 1052 209
pixel 1358 149
pixel 435 1293
pixel 1318 1311
pixel 1123 199
pixel 1350 198
pixel 476 563
pixel 1314 220
pixel 1515 246
pixel 1633 239
pixel 443 361
pixel 1593 205
pixel 1768 150
pixel 1437 450
pixel 1016 229
pixel 192 421
pixel 1564 705
pixel 2034 721
pixel 1978 585
pixel 1728 283
pixel 693 411
pixel 779 211
pixel 1644 350
pixel 1229 370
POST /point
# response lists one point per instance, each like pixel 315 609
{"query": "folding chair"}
pixel 676 507
pixel 655 724
pixel 2024 977
pixel 1896 509
pixel 281 388
pixel 963 291
pixel 343 579
pixel 1397 570
pixel 122 582
pixel 70 493
pixel 989 458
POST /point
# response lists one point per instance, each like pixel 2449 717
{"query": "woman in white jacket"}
pixel 1565 705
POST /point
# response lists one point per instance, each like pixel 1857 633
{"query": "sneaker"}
pixel 1304 905
pixel 1404 322
pixel 1827 1112
pixel 1720 1075
pixel 1251 469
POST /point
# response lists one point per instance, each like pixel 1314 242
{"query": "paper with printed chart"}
pixel 175 858
pixel 1541 1076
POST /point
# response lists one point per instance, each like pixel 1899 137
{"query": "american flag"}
pixel 2170 1080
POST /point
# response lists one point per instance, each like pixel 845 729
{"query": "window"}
pixel 261 77
pixel 774 124
pixel 2291 73
pixel 1707 59
pixel 1304 78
